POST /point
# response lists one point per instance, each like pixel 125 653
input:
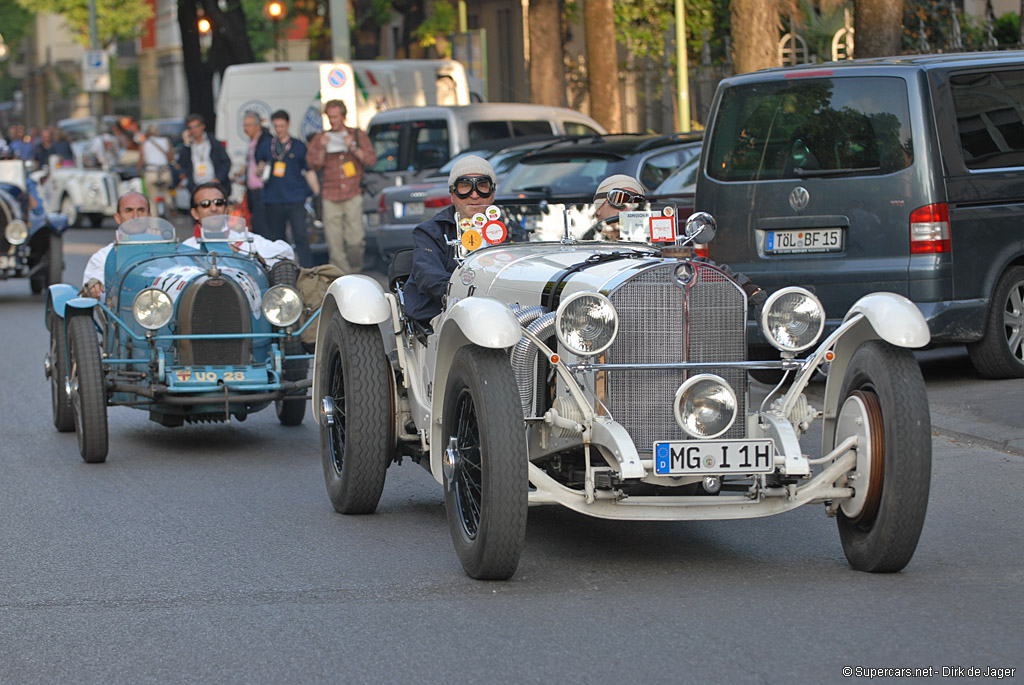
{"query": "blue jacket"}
pixel 433 262
pixel 292 187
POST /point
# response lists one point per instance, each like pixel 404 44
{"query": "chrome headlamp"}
pixel 792 319
pixel 705 406
pixel 586 323
pixel 282 305
pixel 16 232
pixel 152 308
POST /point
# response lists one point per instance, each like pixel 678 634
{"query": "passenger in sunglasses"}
pixel 210 200
pixel 471 184
pixel 615 194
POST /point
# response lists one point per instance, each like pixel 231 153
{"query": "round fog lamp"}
pixel 16 232
pixel 705 406
pixel 793 319
pixel 586 323
pixel 152 308
pixel 282 305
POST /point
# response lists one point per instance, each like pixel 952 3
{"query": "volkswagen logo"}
pixel 799 198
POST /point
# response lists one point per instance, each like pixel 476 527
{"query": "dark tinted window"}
pixel 386 139
pixel 804 127
pixel 577 175
pixel 530 128
pixel 429 144
pixel 479 131
pixel 657 168
pixel 574 128
pixel 988 116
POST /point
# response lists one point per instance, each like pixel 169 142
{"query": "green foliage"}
pixel 1007 29
pixel 124 81
pixel 937 20
pixel 818 22
pixel 259 28
pixel 642 26
pixel 115 19
pixel 17 22
pixel 438 26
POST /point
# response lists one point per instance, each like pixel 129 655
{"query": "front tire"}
pixel 1000 354
pixel 883 400
pixel 356 449
pixel 60 401
pixel 88 396
pixel 486 478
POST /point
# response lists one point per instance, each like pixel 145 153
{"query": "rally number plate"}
pixel 8 262
pixel 811 240
pixel 697 457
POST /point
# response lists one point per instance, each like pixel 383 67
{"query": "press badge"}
pixel 279 169
pixel 349 169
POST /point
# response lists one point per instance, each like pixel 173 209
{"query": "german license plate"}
pixel 811 240
pixel 404 209
pixel 8 262
pixel 697 457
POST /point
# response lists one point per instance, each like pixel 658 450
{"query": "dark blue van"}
pixel 898 174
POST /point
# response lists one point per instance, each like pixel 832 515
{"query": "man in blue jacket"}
pixel 285 189
pixel 471 184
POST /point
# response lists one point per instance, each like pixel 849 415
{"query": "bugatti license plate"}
pixel 696 457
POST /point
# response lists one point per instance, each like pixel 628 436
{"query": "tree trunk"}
pixel 602 64
pixel 755 34
pixel 547 66
pixel 878 26
pixel 198 74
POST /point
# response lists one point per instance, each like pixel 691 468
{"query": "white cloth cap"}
pixel 621 182
pixel 471 165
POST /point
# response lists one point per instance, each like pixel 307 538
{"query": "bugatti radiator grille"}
pixel 215 306
pixel 661 320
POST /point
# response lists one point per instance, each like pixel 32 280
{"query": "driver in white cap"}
pixel 471 184
pixel 616 193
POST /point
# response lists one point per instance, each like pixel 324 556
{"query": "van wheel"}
pixel 1000 354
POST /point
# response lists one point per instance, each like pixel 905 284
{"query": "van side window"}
pixel 429 147
pixel 530 128
pixel 575 128
pixel 812 127
pixel 386 139
pixel 989 118
pixel 482 131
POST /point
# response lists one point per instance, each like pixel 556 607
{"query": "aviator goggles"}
pixel 465 185
pixel 219 202
pixel 619 198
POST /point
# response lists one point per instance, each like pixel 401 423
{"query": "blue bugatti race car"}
pixel 187 333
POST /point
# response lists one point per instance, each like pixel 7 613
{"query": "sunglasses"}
pixel 619 198
pixel 465 185
pixel 219 202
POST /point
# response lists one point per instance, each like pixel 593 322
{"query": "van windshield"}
pixel 806 127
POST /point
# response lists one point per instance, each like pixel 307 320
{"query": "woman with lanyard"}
pixel 282 164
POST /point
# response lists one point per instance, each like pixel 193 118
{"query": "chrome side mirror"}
pixel 700 228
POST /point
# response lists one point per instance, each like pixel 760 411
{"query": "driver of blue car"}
pixel 131 205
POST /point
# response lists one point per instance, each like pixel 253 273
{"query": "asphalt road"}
pixel 211 554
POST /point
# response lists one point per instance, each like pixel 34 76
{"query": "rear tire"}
pixel 486 480
pixel 88 396
pixel 60 401
pixel 55 254
pixel 880 531
pixel 1000 354
pixel 290 412
pixel 357 448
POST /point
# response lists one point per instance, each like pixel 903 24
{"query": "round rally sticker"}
pixel 472 240
pixel 495 232
pixel 493 213
pixel 479 220
pixel 465 224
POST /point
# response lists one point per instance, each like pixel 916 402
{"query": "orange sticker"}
pixel 472 240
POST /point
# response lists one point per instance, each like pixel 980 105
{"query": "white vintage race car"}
pixel 83 193
pixel 611 378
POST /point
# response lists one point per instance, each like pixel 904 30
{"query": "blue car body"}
pixel 216 357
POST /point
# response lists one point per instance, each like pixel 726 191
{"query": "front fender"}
pixel 359 299
pixel 61 296
pixel 895 319
pixel 482 321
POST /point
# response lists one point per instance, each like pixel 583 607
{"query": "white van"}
pixel 295 87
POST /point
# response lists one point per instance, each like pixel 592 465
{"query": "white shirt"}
pixel 202 164
pixel 156 152
pixel 95 267
pixel 272 251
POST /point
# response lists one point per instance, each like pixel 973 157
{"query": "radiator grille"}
pixel 653 309
pixel 215 306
